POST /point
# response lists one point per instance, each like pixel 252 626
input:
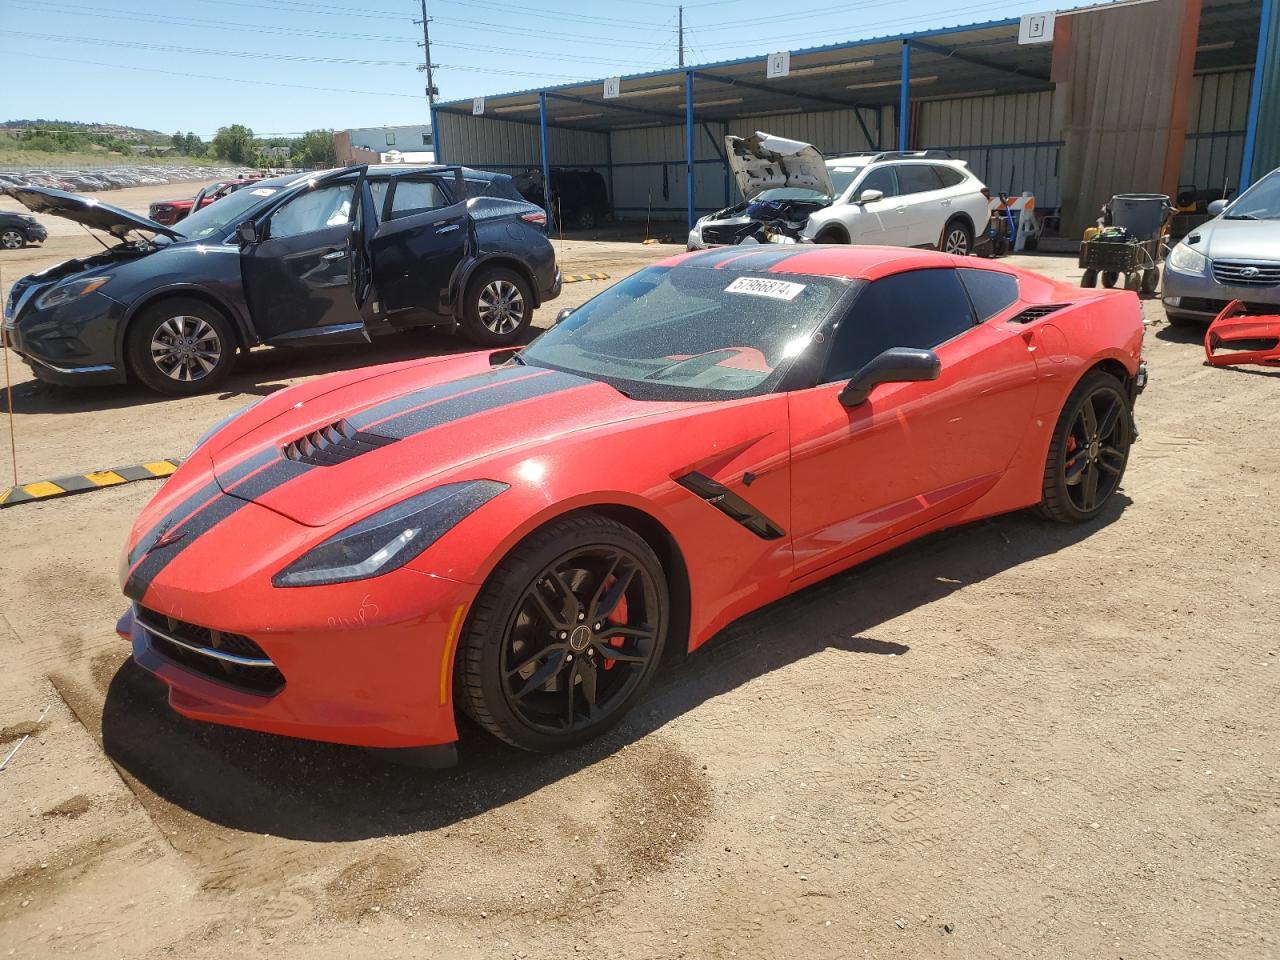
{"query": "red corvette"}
pixel 357 557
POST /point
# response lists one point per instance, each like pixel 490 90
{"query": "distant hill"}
pixel 108 131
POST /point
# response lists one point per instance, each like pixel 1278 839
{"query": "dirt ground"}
pixel 1011 740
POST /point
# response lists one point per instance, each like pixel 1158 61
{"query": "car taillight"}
pixel 538 219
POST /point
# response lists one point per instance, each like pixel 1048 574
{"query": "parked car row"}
pixel 113 178
pixel 333 257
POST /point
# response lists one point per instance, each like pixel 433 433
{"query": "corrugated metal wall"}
pixel 497 144
pixel 649 171
pixel 1266 152
pixel 1214 146
pixel 1010 142
pixel 831 131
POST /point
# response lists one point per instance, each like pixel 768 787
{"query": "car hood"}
pixel 335 447
pixel 1238 239
pixel 88 211
pixel 761 162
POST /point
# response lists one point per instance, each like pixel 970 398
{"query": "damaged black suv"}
pixel 328 257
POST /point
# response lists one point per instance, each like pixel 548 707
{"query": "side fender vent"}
pixel 329 446
pixel 1032 314
pixel 730 504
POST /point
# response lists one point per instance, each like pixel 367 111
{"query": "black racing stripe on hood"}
pixel 204 520
pixel 262 482
pixel 480 401
pixel 417 398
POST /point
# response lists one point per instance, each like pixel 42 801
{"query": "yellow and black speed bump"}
pixel 584 277
pixel 84 482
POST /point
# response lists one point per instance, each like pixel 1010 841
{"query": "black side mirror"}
pixel 895 365
pixel 563 314
pixel 247 233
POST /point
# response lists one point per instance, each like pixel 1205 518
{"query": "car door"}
pixel 882 221
pixel 419 248
pixel 912 452
pixel 296 274
pixel 924 198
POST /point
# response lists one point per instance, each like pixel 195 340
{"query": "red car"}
pixel 169 212
pixel 518 536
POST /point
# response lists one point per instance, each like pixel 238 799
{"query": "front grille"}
pixel 229 658
pixel 1241 273
pixel 1032 314
pixel 337 443
pixel 728 234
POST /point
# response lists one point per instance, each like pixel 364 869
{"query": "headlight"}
pixel 71 290
pixel 390 538
pixel 1187 260
pixel 220 424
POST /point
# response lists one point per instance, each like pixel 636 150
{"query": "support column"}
pixel 904 96
pixel 688 131
pixel 546 160
pixel 435 136
pixel 1265 72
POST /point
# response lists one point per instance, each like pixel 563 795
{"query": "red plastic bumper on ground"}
pixel 1233 326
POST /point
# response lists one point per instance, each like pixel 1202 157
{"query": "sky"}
pixel 286 66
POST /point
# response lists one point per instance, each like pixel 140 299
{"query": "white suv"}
pixel 793 193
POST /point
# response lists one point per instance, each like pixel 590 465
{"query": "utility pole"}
pixel 427 65
pixel 680 31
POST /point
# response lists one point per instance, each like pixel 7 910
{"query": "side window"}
pixel 314 210
pixel 990 291
pixel 949 176
pixel 378 188
pixel 417 196
pixel 917 178
pixel 882 179
pixel 919 308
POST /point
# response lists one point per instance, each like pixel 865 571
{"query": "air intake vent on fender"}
pixel 337 443
pixel 1035 313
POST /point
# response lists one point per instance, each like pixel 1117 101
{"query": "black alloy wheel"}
pixel 1089 450
pixel 565 635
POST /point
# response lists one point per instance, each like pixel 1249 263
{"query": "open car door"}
pixel 409 246
pixel 296 271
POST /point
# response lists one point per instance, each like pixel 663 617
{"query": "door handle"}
pixel 901 209
pixel 448 229
pixel 334 255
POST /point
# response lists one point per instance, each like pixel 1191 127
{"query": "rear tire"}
pixel 1089 450
pixel 1150 281
pixel 498 308
pixel 532 665
pixel 957 239
pixel 180 347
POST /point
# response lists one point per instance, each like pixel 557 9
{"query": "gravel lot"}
pixel 1011 740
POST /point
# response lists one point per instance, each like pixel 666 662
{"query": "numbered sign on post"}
pixel 779 65
pixel 1036 28
pixel 477 107
pixel 612 87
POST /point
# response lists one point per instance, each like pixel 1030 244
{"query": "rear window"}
pixel 917 178
pixel 499 187
pixel 416 196
pixel 989 291
pixel 949 176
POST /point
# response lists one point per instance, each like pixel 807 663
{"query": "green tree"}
pixel 234 143
pixel 317 149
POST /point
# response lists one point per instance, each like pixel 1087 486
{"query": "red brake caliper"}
pixel 619 615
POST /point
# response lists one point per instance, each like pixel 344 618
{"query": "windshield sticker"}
pixel 262 192
pixel 760 287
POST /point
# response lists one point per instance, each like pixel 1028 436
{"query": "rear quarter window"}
pixel 990 292
pixel 950 176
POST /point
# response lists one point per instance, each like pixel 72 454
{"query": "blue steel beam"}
pixel 1255 96
pixel 904 95
pixel 546 160
pixel 435 136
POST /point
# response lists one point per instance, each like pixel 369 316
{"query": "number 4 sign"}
pixel 779 65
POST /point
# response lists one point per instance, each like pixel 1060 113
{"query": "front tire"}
pixel 565 635
pixel 832 236
pixel 957 239
pixel 180 347
pixel 12 239
pixel 498 308
pixel 1089 450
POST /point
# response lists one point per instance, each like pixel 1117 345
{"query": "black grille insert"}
pixel 334 444
pixel 229 658
pixel 731 505
pixel 1032 314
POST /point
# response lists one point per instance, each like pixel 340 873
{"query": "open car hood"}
pixel 761 162
pixel 88 211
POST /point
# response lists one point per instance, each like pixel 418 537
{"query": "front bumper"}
pixel 359 664
pixel 1201 297
pixel 73 344
pixel 36 233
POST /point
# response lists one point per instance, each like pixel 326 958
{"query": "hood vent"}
pixel 337 443
pixel 1031 314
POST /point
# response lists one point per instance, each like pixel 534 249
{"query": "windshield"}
pixel 841 177
pixel 1259 202
pixel 690 332
pixel 217 217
